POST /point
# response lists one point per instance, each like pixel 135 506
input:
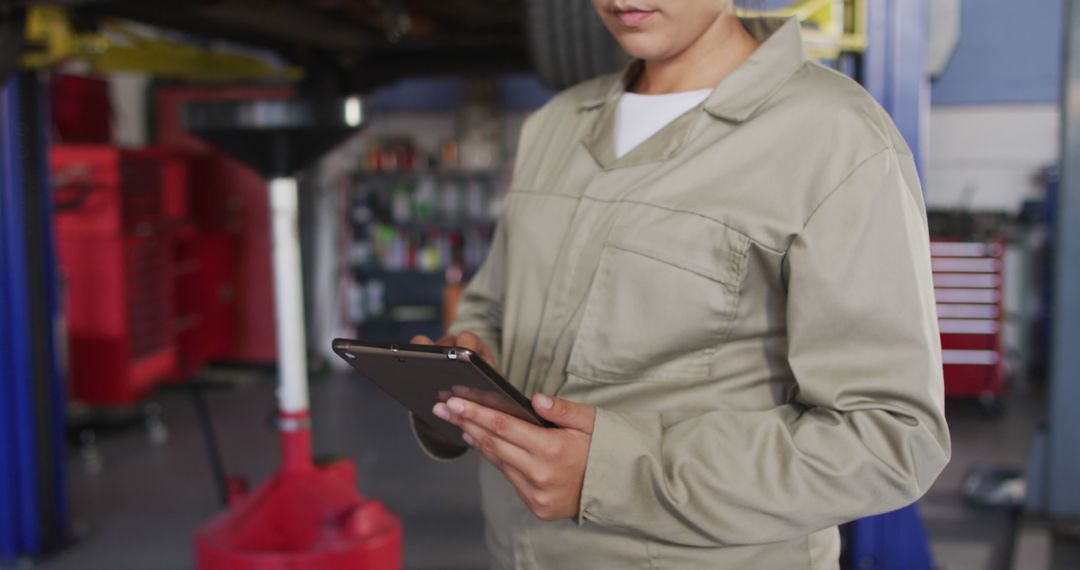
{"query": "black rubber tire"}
pixel 11 40
pixel 568 43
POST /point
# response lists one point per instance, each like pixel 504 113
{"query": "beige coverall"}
pixel 746 298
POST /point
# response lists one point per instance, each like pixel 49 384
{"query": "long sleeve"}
pixel 480 312
pixel 865 431
pixel 480 308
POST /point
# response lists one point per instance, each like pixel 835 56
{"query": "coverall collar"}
pixel 734 99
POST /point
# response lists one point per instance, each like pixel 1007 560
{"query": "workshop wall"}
pixel 988 157
pixel 1009 52
pixel 994 121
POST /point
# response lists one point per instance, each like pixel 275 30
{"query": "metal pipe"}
pixel 288 297
pixel 292 389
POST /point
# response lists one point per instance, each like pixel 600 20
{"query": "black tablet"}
pixel 419 375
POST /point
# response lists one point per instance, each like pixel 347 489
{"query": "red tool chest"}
pixel 968 286
pixel 149 292
pixel 231 198
pixel 114 211
pixel 205 321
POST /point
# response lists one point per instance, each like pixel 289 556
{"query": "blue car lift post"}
pixel 1053 470
pixel 33 484
pixel 893 70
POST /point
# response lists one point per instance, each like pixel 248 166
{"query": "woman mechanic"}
pixel 712 273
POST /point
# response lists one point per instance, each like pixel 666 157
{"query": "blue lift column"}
pixel 893 70
pixel 1053 474
pixel 33 483
pixel 1062 482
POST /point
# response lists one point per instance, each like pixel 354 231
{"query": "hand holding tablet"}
pixel 421 375
pixel 459 395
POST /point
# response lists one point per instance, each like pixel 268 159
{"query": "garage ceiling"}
pixel 357 44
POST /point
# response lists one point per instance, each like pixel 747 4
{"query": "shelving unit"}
pixel 412 226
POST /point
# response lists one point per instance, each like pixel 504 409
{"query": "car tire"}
pixel 568 42
pixel 11 41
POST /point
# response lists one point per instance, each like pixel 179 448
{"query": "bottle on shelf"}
pixel 474 200
pixel 451 294
pixel 450 201
pixel 424 199
pixel 355 303
pixel 449 157
pixel 375 295
pixel 401 202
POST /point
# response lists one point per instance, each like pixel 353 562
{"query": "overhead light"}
pixel 354 113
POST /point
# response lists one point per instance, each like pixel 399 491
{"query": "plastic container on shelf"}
pixel 375 295
pixel 401 202
pixel 450 199
pixel 449 156
pixel 428 257
pixel 475 201
pixel 360 212
pixel 355 302
pixel 424 199
pixel 361 254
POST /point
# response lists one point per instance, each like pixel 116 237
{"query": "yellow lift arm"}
pixel 121 47
pixel 830 27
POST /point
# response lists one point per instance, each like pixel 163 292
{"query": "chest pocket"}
pixel 663 298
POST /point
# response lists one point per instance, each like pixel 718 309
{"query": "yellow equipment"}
pixel 122 47
pixel 830 27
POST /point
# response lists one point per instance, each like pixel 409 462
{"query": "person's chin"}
pixel 641 46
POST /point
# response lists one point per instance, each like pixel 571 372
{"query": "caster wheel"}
pixel 992 406
pixel 156 432
pixel 93 462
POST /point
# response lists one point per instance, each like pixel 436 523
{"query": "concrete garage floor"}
pixel 964 537
pixel 141 510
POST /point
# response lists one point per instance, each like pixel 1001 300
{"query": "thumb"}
pixel 565 413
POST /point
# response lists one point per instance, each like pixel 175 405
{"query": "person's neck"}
pixel 702 65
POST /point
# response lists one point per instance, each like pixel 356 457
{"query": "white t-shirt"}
pixel 640 116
